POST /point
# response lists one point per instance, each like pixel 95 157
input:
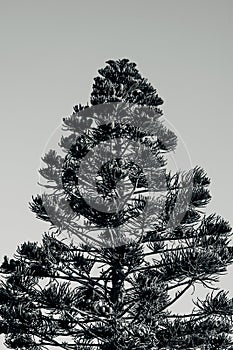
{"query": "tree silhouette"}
pixel 127 237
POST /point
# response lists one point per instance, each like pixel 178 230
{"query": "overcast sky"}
pixel 50 52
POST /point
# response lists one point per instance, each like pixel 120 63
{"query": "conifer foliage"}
pixel 111 288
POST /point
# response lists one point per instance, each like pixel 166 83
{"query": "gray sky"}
pixel 51 50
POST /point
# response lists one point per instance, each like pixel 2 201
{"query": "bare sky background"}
pixel 49 54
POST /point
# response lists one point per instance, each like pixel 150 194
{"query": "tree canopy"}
pixel 127 237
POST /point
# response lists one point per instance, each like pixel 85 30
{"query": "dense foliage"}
pixel 114 288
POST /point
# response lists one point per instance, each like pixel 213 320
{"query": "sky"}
pixel 49 54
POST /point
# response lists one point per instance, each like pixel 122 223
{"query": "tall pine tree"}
pixel 141 237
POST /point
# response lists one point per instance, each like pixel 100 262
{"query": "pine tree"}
pixel 137 253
